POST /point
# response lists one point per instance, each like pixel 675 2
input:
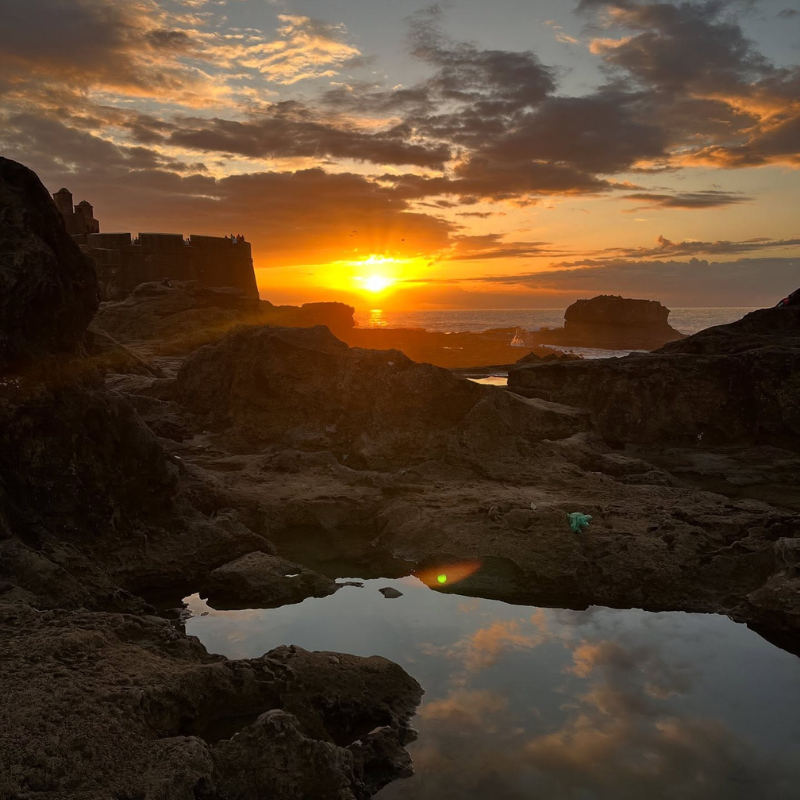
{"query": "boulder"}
pixel 48 288
pixel 259 580
pixel 733 384
pixel 613 323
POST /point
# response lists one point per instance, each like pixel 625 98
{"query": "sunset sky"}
pixel 467 154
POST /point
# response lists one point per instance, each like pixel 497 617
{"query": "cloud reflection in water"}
pixel 522 703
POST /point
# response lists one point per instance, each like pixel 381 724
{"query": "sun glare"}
pixel 376 283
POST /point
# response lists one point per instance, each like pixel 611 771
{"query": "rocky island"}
pixel 189 439
pixel 611 322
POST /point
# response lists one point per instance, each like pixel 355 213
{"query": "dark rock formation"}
pixel 104 705
pixel 181 309
pixel 93 511
pixel 390 593
pixel 258 580
pixel 304 389
pixel 182 316
pixel 613 323
pixel 734 384
pixel 48 288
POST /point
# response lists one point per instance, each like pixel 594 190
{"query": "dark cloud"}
pixel 290 130
pixel 291 217
pixel 518 182
pixel 741 283
pixel 679 46
pixel 602 134
pixel 491 246
pixel 717 98
pixel 90 42
pixel 667 248
pixel 492 81
pixel 779 142
pixel 710 198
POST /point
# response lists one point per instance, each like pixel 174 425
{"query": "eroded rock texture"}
pixel 304 389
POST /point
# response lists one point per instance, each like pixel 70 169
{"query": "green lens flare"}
pixel 442 579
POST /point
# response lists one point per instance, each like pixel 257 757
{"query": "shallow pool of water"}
pixel 528 703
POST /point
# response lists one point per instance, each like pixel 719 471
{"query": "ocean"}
pixel 685 320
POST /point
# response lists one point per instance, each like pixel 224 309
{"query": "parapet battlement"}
pixel 123 262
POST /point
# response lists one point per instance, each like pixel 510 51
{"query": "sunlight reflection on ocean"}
pixel 686 320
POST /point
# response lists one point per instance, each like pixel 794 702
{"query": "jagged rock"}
pixel 390 592
pixel 536 358
pixel 733 384
pixel 112 705
pixel 303 388
pixel 258 580
pixel 614 323
pixel 48 288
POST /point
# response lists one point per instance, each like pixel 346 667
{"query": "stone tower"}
pixel 63 198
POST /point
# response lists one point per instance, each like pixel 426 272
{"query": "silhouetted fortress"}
pixel 123 262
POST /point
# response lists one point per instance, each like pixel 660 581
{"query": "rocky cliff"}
pixel 613 323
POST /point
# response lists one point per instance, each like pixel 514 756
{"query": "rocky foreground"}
pixel 130 475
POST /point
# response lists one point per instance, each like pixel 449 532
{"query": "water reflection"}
pixel 524 703
pixel 376 318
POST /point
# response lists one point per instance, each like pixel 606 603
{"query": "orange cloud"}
pixel 465 707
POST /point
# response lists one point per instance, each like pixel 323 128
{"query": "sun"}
pixel 376 283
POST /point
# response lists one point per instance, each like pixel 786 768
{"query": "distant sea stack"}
pixel 614 323
pixel 123 262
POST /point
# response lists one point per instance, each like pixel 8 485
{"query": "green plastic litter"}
pixel 578 522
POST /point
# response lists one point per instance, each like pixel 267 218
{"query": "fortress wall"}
pixel 122 265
